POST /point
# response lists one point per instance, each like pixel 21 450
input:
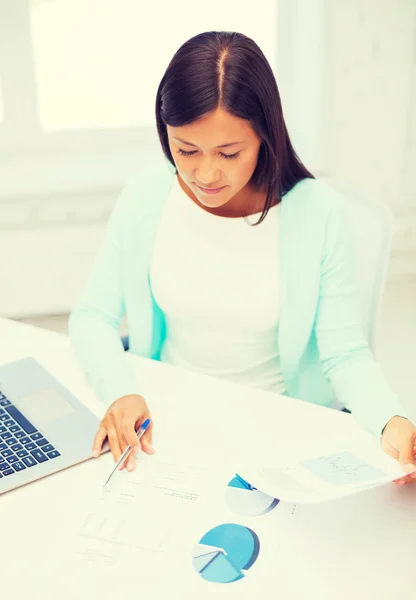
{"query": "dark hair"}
pixel 228 70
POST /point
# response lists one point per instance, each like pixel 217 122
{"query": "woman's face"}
pixel 206 164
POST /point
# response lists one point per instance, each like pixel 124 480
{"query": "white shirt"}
pixel 216 279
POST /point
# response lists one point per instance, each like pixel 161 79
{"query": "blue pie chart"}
pixel 225 552
pixel 244 499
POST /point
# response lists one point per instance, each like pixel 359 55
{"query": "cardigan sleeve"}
pixel 95 320
pixel 345 356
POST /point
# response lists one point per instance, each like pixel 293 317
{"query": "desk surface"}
pixel 375 558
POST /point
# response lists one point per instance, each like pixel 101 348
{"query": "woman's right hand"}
pixel 119 424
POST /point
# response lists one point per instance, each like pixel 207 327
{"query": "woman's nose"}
pixel 207 175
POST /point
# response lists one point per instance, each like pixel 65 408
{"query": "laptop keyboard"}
pixel 21 445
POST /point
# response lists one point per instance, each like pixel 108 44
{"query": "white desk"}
pixel 375 560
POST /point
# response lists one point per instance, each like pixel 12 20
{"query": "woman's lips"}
pixel 213 191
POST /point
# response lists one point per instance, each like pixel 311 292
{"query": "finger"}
pixel 146 440
pixel 129 462
pixel 123 446
pixel 99 440
pixel 130 439
pixel 130 434
pixel 404 480
pixel 114 443
pixel 406 454
pixel 131 465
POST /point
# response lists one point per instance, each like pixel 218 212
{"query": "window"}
pixel 80 77
pixel 98 62
pixel 78 80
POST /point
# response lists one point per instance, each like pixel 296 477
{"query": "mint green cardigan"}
pixel 322 347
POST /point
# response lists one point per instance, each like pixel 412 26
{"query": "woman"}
pixel 237 264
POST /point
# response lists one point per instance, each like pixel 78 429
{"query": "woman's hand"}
pixel 120 423
pixel 399 440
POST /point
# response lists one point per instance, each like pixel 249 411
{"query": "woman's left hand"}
pixel 399 440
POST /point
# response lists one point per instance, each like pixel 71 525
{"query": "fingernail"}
pixel 137 448
pixel 129 467
pixel 402 482
pixel 409 467
pixel 95 453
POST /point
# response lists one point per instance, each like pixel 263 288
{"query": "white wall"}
pixel 372 111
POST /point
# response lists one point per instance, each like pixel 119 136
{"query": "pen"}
pixel 140 432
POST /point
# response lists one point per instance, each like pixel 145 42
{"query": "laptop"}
pixel 43 427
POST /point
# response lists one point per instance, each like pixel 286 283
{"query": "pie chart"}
pixel 225 552
pixel 246 500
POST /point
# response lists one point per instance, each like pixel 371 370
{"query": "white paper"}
pixel 152 524
pixel 136 520
pixel 340 469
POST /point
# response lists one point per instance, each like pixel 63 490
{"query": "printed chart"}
pixel 342 469
pixel 246 500
pixel 225 552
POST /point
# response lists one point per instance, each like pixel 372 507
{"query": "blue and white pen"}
pixel 140 432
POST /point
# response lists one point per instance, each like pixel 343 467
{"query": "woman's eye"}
pixel 184 153
pixel 228 156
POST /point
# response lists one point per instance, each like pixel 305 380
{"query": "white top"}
pixel 216 279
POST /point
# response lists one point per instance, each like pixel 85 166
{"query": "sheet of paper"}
pixel 168 525
pixel 139 518
pixel 340 469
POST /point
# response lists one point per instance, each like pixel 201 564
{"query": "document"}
pixel 139 518
pixel 168 525
pixel 343 468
